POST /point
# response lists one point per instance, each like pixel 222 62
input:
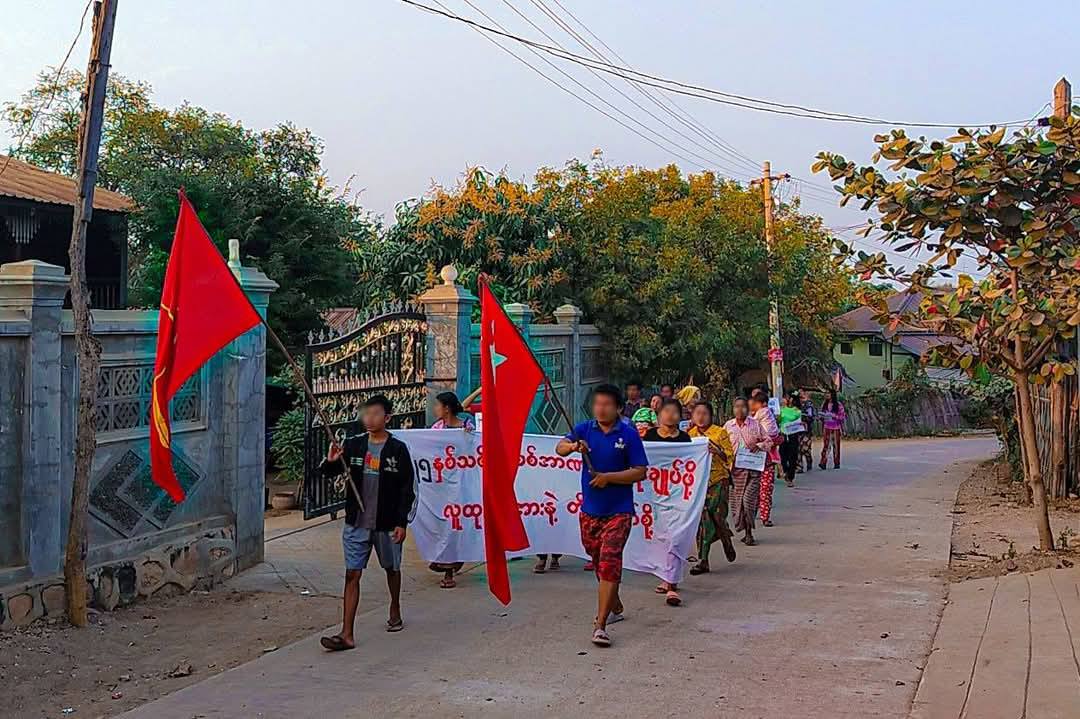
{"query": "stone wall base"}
pixel 194 561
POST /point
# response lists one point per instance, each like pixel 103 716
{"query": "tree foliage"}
pixel 671 268
pixel 265 188
pixel 1011 205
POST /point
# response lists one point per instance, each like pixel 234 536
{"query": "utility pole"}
pixel 1062 99
pixel 776 351
pixel 88 348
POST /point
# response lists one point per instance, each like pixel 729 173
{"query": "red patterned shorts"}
pixel 604 539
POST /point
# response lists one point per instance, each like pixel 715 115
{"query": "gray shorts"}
pixel 358 542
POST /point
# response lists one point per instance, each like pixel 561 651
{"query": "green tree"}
pixel 266 188
pixel 486 224
pixel 1011 206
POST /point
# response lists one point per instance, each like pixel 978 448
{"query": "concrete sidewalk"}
pixel 1006 647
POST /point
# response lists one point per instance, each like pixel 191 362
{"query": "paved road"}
pixel 832 615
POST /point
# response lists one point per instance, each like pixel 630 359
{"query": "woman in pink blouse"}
pixel 746 435
pixel 832 420
pixel 759 406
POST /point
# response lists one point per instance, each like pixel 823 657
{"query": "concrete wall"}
pixel 135 531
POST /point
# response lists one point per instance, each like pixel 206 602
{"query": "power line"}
pixel 632 101
pixel 665 103
pixel 565 89
pixel 52 96
pixel 705 93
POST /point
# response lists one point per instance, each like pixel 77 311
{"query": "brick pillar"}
pixel 34 291
pixel 244 429
pixel 449 308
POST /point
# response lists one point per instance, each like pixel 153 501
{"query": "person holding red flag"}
pixel 509 379
pixel 203 309
pixel 616 460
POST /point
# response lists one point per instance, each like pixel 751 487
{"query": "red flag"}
pixel 509 378
pixel 202 310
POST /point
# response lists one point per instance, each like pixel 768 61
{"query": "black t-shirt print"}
pixel 653 435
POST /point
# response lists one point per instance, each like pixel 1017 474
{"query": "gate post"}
pixel 570 316
pixel 448 308
pixel 244 410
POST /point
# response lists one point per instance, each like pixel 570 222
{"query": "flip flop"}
pixel 698 569
pixel 335 644
pixel 661 589
pixel 447 584
pixel 395 626
pixel 540 567
pixel 600 638
pixel 673 599
pixel 554 566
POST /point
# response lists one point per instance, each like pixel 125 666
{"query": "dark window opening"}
pixel 845 348
pixel 877 349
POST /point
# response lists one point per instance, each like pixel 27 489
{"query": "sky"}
pixel 403 99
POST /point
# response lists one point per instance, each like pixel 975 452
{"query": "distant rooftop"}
pixel 860 321
pixel 27 182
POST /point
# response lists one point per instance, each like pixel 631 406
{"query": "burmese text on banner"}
pixel 450 515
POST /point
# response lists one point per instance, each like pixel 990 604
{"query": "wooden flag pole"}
pixel 298 373
pixel 314 403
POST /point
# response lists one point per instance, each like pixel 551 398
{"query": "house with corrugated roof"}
pixel 870 354
pixel 36 208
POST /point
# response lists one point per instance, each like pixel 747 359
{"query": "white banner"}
pixel 449 516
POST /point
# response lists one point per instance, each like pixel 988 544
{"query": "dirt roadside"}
pixel 994 530
pixel 139 653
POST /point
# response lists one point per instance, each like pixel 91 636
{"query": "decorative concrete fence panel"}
pixel 140 541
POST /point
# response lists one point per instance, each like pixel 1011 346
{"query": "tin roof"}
pixel 28 182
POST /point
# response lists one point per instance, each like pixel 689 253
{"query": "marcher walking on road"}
pixel 618 460
pixel 449 415
pixel 667 430
pixel 759 406
pixel 382 471
pixel 806 441
pixel 747 435
pixel 714 516
pixel 832 418
pixel 792 429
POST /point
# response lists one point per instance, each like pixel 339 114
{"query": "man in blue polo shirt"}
pixel 615 460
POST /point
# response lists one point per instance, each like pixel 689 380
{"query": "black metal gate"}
pixel 381 354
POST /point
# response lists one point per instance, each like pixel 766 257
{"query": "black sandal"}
pixel 699 569
pixel 335 644
pixel 397 626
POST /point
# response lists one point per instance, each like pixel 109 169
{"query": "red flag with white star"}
pixel 509 379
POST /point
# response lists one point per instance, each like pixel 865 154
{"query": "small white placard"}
pixel 793 427
pixel 745 459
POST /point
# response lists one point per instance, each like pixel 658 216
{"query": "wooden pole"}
pixel 88 348
pixel 776 362
pixel 299 373
pixel 1062 99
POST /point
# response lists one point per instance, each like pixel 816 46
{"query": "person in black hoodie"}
pixel 382 472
